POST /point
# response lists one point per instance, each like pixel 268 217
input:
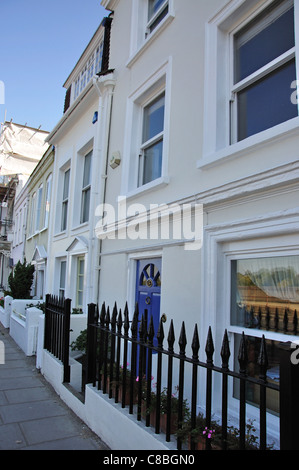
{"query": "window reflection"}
pixel 265 293
pixel 253 370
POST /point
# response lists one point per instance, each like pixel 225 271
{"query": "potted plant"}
pixel 199 435
pixel 174 408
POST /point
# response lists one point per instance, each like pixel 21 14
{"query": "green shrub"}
pixel 20 280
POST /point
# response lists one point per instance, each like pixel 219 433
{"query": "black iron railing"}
pixel 114 342
pixel 57 330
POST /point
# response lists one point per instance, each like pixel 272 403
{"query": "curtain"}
pixel 276 277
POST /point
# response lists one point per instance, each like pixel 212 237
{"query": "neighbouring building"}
pixel 21 148
pixel 19 225
pixel 39 190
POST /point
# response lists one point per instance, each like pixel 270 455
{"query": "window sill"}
pixel 60 234
pixel 153 185
pixel 271 335
pixel 32 235
pixel 148 41
pixel 274 134
pixel 80 227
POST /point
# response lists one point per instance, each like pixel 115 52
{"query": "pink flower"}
pixel 209 432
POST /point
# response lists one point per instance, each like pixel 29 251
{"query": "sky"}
pixel 41 41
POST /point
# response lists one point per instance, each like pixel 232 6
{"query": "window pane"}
pixel 66 184
pixel 153 7
pixel 80 281
pixel 85 205
pixel 152 162
pixel 48 198
pixel 81 266
pixel 87 168
pixel 265 293
pixel 267 102
pixel 158 20
pixel 38 207
pixel 80 299
pixel 253 390
pixel 99 56
pixel 264 39
pixel 153 120
pixel 64 215
pixel 62 274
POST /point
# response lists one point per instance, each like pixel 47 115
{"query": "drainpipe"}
pixel 105 87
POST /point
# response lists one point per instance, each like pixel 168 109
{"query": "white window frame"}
pixel 250 79
pixel 148 143
pixel 141 37
pixel 158 83
pixel 90 67
pixel 65 201
pixel 155 17
pixel 38 208
pixel 61 288
pixel 86 188
pixel 218 87
pixel 33 213
pixel 99 56
pixel 21 225
pixel 78 275
pixel 47 201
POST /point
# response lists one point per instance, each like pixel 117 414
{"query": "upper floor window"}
pixel 157 10
pixel 47 202
pixel 149 18
pixel 150 159
pixel 92 65
pixel 65 199
pixel 86 187
pixel 263 70
pixel 146 145
pixel 38 207
pixel 33 213
pixel 250 85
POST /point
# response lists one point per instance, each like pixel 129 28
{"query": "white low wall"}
pixel 113 424
pixel 78 323
pixel 23 326
pixel 6 311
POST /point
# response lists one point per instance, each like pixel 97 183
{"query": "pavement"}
pixel 32 415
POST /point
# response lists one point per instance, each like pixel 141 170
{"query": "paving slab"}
pixel 32 415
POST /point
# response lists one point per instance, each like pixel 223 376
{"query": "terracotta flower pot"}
pixel 200 443
pixel 173 423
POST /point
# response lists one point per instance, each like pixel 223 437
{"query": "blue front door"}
pixel 148 290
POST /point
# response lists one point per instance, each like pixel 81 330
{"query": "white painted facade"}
pixel 248 187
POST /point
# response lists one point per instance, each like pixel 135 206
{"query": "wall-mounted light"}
pixel 115 160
